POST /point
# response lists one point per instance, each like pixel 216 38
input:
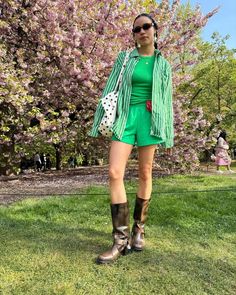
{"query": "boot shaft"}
pixel 121 233
pixel 140 217
pixel 141 210
pixel 120 219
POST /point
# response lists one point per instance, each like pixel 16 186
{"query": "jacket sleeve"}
pixel 110 86
pixel 169 115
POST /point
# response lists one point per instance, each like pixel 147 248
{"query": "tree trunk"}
pixel 58 149
pixel 85 160
pixel 7 155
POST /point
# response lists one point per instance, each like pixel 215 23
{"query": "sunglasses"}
pixel 145 27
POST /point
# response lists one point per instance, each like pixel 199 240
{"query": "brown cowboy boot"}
pixel 140 216
pixel 121 234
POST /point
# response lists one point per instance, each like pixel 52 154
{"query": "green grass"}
pixel 49 246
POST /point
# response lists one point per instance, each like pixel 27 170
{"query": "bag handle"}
pixel 122 71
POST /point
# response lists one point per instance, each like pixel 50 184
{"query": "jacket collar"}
pixel 134 53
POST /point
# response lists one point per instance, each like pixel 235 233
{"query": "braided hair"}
pixel 154 25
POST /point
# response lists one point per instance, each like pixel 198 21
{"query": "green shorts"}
pixel 138 127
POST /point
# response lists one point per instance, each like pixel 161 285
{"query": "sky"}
pixel 223 22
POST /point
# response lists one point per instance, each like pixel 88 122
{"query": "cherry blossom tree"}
pixel 66 49
pixel 15 111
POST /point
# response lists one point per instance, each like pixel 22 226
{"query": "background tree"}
pixel 181 33
pixel 16 108
pixel 67 56
pixel 66 50
pixel 213 87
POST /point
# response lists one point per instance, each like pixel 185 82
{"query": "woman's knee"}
pixel 115 174
pixel 145 173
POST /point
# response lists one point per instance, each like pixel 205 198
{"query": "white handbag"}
pixel 109 103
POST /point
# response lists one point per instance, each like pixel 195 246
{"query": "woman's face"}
pixel 144 37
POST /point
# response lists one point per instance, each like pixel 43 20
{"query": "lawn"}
pixel 49 246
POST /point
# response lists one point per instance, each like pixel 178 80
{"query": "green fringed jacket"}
pixel 162 109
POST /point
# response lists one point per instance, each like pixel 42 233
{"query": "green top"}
pixel 162 108
pixel 142 80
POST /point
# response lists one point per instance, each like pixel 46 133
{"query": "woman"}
pixel 221 153
pixel 144 118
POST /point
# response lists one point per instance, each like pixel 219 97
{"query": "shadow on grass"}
pixel 73 224
pixel 188 269
pixel 47 235
pixel 79 228
pixel 66 225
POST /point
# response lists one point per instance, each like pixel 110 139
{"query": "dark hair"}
pixel 222 134
pixel 154 25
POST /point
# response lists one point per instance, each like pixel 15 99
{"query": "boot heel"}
pixel 127 250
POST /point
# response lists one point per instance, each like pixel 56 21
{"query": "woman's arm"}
pixel 222 144
pixel 114 75
pixel 110 86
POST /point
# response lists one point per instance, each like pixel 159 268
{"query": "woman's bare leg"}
pixel 228 167
pixel 118 157
pixel 146 155
pixel 142 201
